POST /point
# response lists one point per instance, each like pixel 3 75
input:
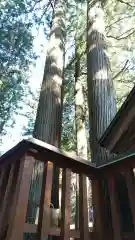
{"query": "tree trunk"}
pixel 80 113
pixel 49 114
pixel 102 106
pixel 101 98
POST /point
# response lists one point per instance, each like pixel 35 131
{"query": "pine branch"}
pixel 118 20
pixel 45 7
pixel 33 7
pixel 121 38
pixel 128 4
pixel 122 70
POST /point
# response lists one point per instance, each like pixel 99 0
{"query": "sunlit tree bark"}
pixel 81 140
pixel 101 97
pixel 80 110
pixel 49 114
pixel 48 120
pixel 102 106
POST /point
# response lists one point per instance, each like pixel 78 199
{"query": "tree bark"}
pixel 101 97
pixel 80 111
pixel 102 106
pixel 80 115
pixel 49 114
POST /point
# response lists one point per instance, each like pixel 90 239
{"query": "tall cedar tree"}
pixel 81 140
pixel 101 98
pixel 49 114
pixel 102 106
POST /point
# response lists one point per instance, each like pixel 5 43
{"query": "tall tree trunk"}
pixel 80 110
pixel 101 98
pixel 49 114
pixel 102 106
pixel 80 114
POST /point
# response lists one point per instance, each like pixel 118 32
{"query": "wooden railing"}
pixel 18 181
pixel 120 179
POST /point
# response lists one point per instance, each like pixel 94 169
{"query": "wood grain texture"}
pixel 83 208
pixel 130 181
pixel 98 208
pixel 44 212
pixel 114 209
pixel 18 212
pixel 6 196
pixel 65 205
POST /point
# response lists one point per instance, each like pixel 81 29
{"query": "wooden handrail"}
pixel 70 161
pixel 127 159
pixel 41 149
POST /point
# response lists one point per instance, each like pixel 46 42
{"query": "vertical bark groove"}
pixel 80 114
pixel 49 113
pixel 47 126
pixel 101 99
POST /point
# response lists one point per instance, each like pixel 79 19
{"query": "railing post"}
pixel 20 200
pixel 6 197
pixel 114 209
pixel 98 206
pixel 3 182
pixel 44 211
pixel 65 205
pixel 2 173
pixel 83 208
pixel 130 181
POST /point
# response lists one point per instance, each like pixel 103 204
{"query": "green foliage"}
pixel 32 105
pixel 16 54
pixel 120 34
pixel 17 20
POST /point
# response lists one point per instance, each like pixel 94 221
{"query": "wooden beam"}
pixel 65 205
pixel 2 176
pixel 45 200
pixel 114 209
pixel 98 207
pixel 4 183
pixel 32 228
pixel 18 212
pixel 83 208
pixel 6 197
pixel 118 131
pixel 130 181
